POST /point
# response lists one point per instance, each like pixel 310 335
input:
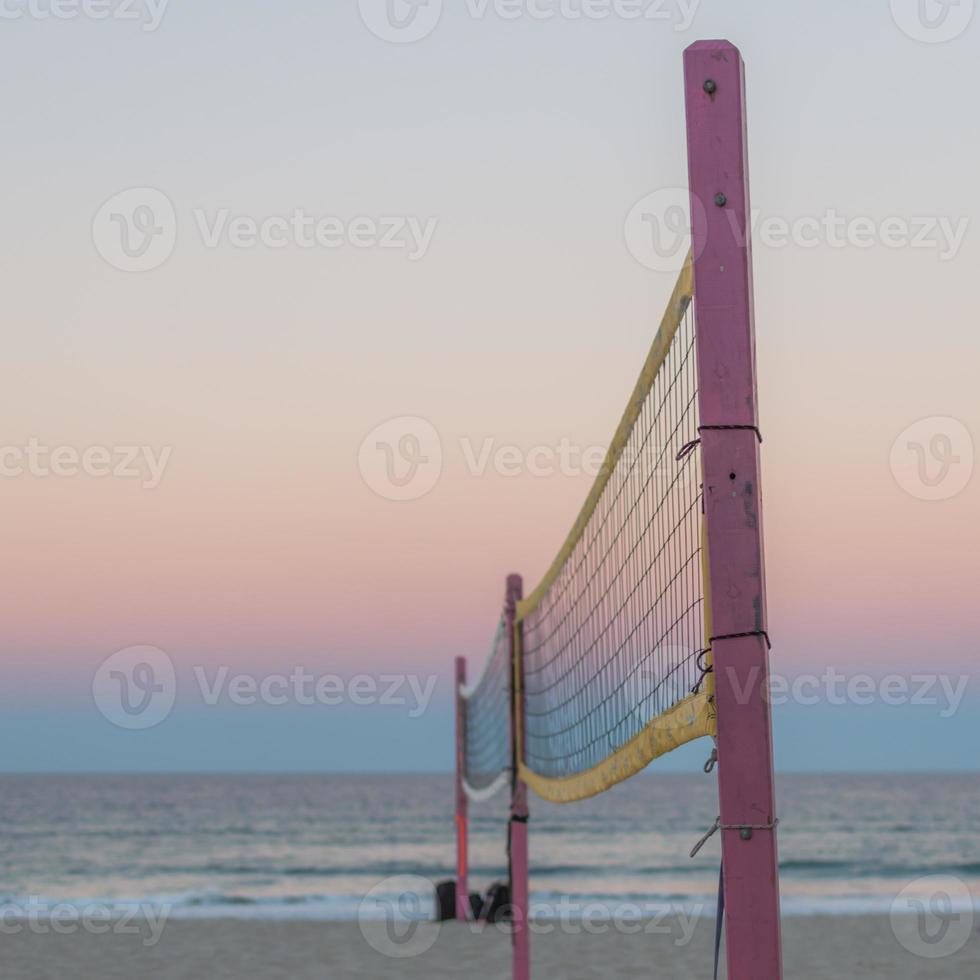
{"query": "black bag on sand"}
pixel 496 906
pixel 446 902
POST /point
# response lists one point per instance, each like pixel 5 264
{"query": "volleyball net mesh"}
pixel 487 750
pixel 614 668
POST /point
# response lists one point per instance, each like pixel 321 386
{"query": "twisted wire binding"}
pixel 611 639
pixel 486 707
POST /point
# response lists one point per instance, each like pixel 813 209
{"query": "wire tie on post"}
pixel 731 428
pixel 715 827
pixel 745 829
pixel 739 636
pixel 709 766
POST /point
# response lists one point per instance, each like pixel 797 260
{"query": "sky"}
pixel 352 225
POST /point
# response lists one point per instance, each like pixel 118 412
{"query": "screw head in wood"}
pixel 710 87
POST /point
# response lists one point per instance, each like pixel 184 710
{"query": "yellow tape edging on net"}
pixel 691 718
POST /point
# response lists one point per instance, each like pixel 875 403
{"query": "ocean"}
pixel 313 846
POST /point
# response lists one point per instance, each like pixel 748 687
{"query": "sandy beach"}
pixel 824 948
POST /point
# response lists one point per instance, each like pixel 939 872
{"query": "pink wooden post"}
pixel 723 303
pixel 462 884
pixel 518 806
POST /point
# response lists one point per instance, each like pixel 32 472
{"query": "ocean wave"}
pixel 545 906
pixel 798 869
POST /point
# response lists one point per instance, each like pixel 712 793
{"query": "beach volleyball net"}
pixel 486 708
pixel 614 667
pixel 648 630
pixel 605 665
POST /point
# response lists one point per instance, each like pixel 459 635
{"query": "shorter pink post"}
pixel 462 885
pixel 519 897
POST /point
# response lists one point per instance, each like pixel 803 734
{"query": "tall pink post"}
pixel 717 161
pixel 462 884
pixel 520 891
